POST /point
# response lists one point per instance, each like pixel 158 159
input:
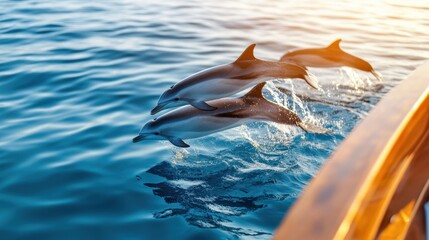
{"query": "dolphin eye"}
pixel 157 133
pixel 176 99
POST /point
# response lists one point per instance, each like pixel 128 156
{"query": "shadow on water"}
pixel 209 190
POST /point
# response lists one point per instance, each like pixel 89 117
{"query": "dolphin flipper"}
pixel 177 142
pixel 138 139
pixel 201 105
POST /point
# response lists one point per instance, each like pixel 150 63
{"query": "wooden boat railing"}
pixel 375 184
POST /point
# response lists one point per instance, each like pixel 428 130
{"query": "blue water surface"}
pixel 78 79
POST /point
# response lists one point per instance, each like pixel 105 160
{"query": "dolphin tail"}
pixel 312 81
pixel 308 127
pixel 377 75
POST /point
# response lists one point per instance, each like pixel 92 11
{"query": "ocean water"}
pixel 78 79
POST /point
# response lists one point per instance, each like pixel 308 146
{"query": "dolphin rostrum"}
pixel 331 56
pixel 188 122
pixel 225 80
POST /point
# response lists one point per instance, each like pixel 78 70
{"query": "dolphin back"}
pixel 327 57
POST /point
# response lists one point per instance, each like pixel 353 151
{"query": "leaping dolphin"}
pixel 226 80
pixel 331 56
pixel 188 122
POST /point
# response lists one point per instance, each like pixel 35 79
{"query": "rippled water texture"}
pixel 78 79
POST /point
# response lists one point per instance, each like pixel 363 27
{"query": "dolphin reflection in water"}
pixel 331 56
pixel 227 80
pixel 188 122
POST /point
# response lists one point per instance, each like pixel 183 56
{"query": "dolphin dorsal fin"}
pixel 335 45
pixel 256 92
pixel 247 54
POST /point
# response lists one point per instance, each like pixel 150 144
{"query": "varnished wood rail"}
pixel 376 175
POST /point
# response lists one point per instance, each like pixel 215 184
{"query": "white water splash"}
pixel 275 133
pixel 298 106
pixel 179 154
pixel 354 80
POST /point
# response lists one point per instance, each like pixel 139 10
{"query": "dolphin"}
pixel 225 80
pixel 188 122
pixel 331 56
